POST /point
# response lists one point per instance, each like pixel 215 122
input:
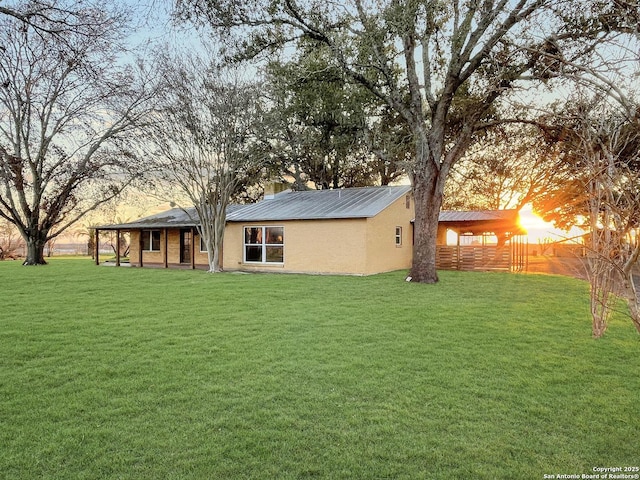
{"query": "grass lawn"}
pixel 163 374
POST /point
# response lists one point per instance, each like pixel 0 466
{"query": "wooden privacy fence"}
pixel 478 257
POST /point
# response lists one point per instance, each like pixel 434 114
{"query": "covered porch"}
pixel 166 240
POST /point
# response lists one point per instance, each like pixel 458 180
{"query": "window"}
pixel 398 236
pixel 151 240
pixel 264 244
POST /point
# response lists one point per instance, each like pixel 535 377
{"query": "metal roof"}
pixel 174 218
pixel 477 216
pixel 483 221
pixel 361 202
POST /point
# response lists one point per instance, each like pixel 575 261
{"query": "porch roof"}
pixel 174 218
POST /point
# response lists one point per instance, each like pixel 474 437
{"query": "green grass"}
pixel 123 373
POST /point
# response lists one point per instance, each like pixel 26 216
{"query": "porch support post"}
pixel 117 247
pixel 140 245
pixel 166 248
pixel 193 249
pixel 96 247
pixel 458 262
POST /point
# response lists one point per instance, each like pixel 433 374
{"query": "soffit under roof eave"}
pixel 138 226
pixel 293 219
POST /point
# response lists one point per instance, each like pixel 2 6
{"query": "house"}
pixel 358 231
pixel 350 231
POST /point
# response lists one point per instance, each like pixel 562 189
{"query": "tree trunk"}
pixel 428 200
pixel 429 175
pixel 634 311
pixel 216 237
pixel 35 252
pixel 214 261
pixel 213 254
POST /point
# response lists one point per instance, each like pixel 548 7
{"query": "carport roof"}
pixel 477 215
pixel 483 221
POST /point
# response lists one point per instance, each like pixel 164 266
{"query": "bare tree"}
pixel 68 110
pixel 602 144
pixel 204 138
pixel 53 17
pixel 614 218
pixel 456 60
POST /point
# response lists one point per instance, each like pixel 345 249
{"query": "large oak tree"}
pixel 456 59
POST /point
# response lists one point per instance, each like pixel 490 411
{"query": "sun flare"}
pixel 537 228
pixel 529 220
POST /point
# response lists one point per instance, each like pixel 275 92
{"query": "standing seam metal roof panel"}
pixel 361 202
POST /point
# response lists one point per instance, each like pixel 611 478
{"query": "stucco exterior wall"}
pixel 383 255
pixel 340 246
pixel 134 247
pixel 173 244
pixel 310 246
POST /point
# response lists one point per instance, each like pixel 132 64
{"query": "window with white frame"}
pixel 264 244
pixel 151 240
pixel 398 236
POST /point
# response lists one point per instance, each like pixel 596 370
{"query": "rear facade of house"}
pixel 355 231
pixel 358 231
